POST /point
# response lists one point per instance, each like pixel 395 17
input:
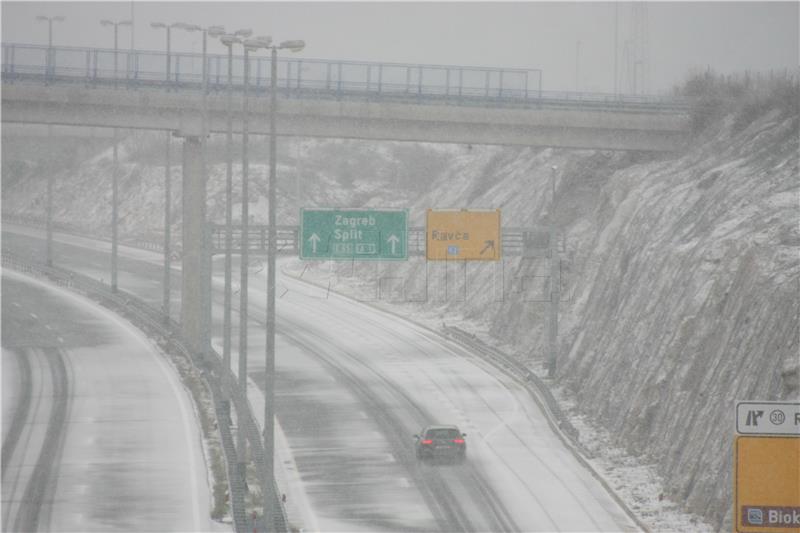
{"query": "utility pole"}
pixel 244 258
pixel 555 281
pixel 270 498
pixel 616 47
pixel 167 224
pixel 50 71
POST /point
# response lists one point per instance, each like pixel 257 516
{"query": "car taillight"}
pixel 427 441
pixel 458 441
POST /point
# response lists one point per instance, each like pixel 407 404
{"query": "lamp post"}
pixel 229 40
pixel 114 178
pixel 269 385
pixel 554 280
pixel 168 27
pixel 167 186
pixel 50 67
pixel 213 31
pixel 106 22
pixel 250 45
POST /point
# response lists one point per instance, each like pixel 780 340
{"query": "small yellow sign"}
pixel 767 484
pixel 455 235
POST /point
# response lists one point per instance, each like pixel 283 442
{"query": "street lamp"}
pixel 168 27
pixel 213 31
pixel 229 40
pixel 250 45
pixel 269 386
pixel 50 68
pixel 50 63
pixel 106 22
pixel 114 178
pixel 554 280
pixel 167 184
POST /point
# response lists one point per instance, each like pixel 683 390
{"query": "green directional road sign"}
pixel 354 234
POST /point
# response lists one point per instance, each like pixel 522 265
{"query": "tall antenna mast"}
pixel 639 53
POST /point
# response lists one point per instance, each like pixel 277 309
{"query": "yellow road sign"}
pixel 767 484
pixel 463 235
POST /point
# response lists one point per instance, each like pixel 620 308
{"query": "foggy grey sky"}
pixel 728 36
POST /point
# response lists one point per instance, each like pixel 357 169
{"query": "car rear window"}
pixel 442 433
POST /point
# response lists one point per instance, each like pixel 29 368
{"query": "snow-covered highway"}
pixel 98 433
pixel 353 386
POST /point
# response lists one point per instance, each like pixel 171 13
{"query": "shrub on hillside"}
pixel 745 96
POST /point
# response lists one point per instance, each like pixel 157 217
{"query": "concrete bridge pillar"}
pixel 196 260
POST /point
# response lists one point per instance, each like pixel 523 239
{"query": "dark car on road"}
pixel 445 442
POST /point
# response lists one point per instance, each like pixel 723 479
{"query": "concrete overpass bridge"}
pixel 318 98
pixel 378 101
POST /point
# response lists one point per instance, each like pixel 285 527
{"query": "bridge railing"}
pixel 307 77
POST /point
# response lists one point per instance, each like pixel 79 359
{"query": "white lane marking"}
pixel 47 327
pixel 15 304
pixel 61 340
pixel 33 316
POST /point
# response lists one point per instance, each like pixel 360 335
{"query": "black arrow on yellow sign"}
pixel 489 244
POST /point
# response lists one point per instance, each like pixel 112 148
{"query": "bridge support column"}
pixel 196 261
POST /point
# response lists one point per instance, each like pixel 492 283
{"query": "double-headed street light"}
pixel 114 178
pixel 269 385
pixel 168 27
pixel 116 24
pixel 250 45
pixel 50 70
pixel 229 40
pixel 50 59
pixel 213 31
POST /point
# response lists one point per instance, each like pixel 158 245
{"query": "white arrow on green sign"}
pixel 354 234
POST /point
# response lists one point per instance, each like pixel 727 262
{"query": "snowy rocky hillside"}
pixel 680 273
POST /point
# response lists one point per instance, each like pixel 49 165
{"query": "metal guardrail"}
pixel 222 385
pixel 541 394
pixel 312 78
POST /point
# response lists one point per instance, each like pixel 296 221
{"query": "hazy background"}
pixel 680 36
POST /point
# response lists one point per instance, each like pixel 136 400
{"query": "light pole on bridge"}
pixel 114 177
pixel 50 67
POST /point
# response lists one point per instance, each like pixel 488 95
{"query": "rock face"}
pixel 687 301
pixel 680 275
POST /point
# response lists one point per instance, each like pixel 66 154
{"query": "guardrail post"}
pixel 299 74
pixel 526 85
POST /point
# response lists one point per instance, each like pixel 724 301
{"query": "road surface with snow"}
pixel 98 433
pixel 354 384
